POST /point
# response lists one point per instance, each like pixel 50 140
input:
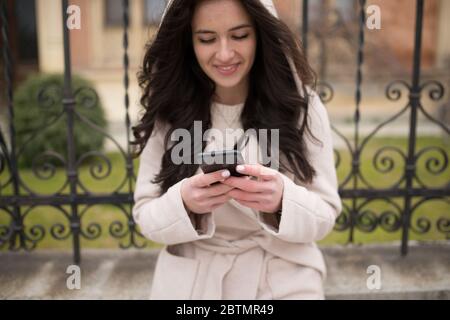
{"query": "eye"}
pixel 206 40
pixel 240 37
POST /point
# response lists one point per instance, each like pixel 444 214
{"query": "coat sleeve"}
pixel 164 219
pixel 309 211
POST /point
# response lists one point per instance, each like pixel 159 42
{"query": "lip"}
pixel 228 69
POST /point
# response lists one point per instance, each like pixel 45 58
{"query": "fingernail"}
pixel 240 168
pixel 225 173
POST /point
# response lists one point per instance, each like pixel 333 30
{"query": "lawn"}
pixel 105 214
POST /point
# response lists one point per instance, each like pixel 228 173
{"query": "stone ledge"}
pixel 126 274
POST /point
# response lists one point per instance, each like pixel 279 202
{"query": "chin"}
pixel 226 84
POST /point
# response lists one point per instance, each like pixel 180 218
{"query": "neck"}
pixel 232 96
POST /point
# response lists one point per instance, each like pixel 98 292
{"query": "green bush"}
pixel 38 103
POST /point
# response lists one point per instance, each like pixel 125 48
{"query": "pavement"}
pixel 127 274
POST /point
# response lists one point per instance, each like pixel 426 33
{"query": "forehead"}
pixel 219 15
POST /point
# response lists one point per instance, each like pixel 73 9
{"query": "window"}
pixel 153 11
pixel 113 13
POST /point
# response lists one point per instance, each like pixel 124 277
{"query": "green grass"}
pixel 105 214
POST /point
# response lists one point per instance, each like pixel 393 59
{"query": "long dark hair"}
pixel 177 92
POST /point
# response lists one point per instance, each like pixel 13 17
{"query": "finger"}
pixel 247 184
pixel 218 190
pixel 247 196
pixel 218 200
pixel 257 170
pixel 206 179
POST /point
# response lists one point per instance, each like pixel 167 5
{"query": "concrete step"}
pixel 423 274
pixel 127 274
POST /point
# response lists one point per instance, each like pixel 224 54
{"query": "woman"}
pixel 233 65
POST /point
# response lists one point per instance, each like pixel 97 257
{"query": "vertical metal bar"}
pixel 69 105
pixel 126 83
pixel 356 156
pixel 305 26
pixel 414 101
pixel 17 223
pixel 324 14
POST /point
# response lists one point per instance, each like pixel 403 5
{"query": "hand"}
pixel 200 196
pixel 264 194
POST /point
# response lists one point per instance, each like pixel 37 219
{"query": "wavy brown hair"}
pixel 176 91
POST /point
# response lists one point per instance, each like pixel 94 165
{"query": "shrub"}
pixel 37 105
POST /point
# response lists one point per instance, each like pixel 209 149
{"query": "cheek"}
pixel 249 51
pixel 202 54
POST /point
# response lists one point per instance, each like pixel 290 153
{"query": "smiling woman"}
pixel 224 42
pixel 232 64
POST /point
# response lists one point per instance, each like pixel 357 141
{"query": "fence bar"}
pixel 69 105
pixel 126 82
pixel 305 26
pixel 16 228
pixel 414 100
pixel 356 161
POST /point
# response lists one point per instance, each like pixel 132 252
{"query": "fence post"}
pixel 69 105
pixel 305 26
pixel 17 228
pixel 414 100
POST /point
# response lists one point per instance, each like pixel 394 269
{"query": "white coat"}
pixel 235 252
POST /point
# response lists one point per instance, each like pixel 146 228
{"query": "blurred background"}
pixel 391 139
pixel 96 49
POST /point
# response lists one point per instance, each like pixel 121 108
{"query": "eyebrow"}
pixel 232 29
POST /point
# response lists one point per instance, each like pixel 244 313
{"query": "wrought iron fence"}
pixel 359 193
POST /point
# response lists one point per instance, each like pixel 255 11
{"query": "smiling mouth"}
pixel 227 70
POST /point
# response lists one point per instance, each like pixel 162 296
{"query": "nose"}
pixel 226 52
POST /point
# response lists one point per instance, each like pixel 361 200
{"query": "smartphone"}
pixel 219 160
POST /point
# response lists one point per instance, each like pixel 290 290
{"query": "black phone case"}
pixel 208 168
pixel 221 165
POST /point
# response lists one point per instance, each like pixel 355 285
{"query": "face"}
pixel 224 41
